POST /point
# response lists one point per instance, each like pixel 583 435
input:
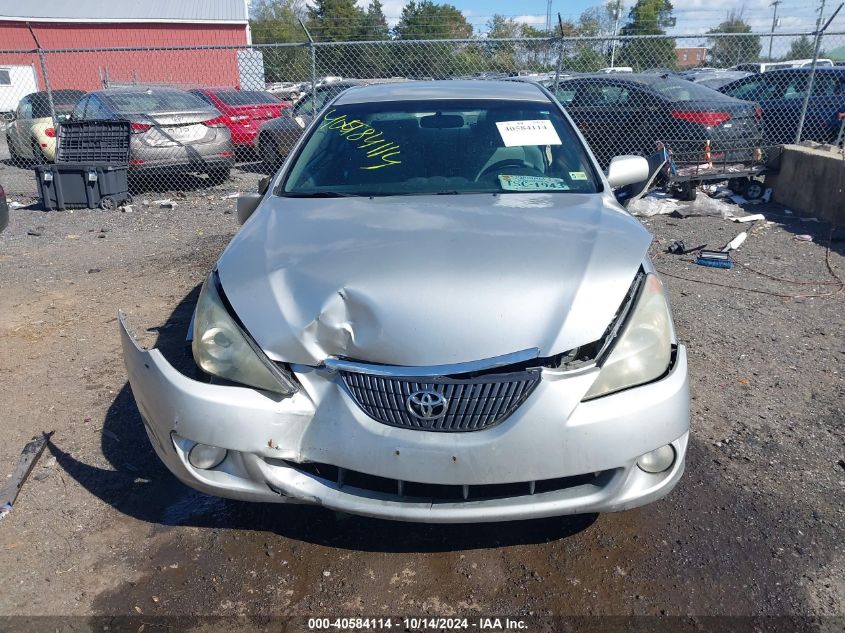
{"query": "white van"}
pixel 761 67
pixel 15 83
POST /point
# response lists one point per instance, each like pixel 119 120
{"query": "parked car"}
pixel 438 312
pixel 172 131
pixel 243 111
pixel 629 114
pixel 764 67
pixel 277 137
pixel 781 93
pixel 31 135
pixel 4 210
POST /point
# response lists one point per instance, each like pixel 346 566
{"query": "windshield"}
pixel 152 101
pixel 440 147
pixel 246 97
pixel 63 102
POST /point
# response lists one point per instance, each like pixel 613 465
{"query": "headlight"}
pixel 643 349
pixel 221 348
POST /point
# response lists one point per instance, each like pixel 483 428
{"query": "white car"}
pixel 31 134
pixel 436 312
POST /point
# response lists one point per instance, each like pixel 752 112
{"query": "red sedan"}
pixel 243 110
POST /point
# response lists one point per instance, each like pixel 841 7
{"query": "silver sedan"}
pixel 437 311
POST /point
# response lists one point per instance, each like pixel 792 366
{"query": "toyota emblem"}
pixel 427 405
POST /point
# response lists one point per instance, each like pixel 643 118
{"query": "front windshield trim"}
pixel 587 172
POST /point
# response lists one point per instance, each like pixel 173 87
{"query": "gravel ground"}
pixel 754 528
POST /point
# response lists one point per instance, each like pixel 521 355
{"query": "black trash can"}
pixel 80 186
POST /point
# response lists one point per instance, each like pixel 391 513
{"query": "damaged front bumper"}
pixel 554 455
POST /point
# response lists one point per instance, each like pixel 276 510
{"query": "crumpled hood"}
pixel 430 280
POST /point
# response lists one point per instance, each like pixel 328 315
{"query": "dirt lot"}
pixel 756 527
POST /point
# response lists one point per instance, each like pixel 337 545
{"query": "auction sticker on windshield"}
pixel 535 132
pixel 532 183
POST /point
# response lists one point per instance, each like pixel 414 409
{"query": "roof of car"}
pixel 645 79
pixel 791 71
pixel 135 90
pixel 446 89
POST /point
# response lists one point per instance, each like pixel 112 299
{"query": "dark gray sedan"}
pixel 173 131
pixel 277 137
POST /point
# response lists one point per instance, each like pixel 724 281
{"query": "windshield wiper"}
pixel 322 194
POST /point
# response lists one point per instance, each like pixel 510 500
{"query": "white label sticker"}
pixel 537 132
pixel 577 175
pixel 300 121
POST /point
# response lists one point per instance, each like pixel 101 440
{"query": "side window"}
pixel 79 109
pixel 796 87
pixel 753 89
pixel 826 85
pixel 25 109
pixel 5 78
pixel 304 106
pixel 565 92
pixel 96 110
pixel 202 96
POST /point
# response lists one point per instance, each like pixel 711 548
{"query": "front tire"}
pixel 218 176
pixel 269 153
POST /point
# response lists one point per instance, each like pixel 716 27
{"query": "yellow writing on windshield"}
pixel 373 141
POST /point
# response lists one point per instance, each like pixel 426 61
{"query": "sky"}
pixel 693 16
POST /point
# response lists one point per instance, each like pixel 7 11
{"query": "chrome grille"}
pixel 471 404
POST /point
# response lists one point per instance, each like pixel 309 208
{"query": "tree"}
pixel 730 50
pixel 648 17
pixel 335 20
pixel 426 20
pixel 375 59
pixel 802 48
pixel 374 24
pixel 277 22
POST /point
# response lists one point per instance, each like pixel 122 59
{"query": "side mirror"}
pixel 626 170
pixel 247 204
pixel 263 185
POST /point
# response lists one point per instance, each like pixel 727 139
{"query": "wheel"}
pixel 107 203
pixel 37 155
pixel 269 152
pixel 688 191
pixel 218 176
pixel 128 199
pixel 753 190
pixel 17 159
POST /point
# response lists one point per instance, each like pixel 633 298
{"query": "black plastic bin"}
pixel 79 186
pixel 97 141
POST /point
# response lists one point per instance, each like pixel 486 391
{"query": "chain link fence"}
pixel 213 120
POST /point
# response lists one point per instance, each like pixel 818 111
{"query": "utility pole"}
pixel 618 12
pixel 549 17
pixel 774 24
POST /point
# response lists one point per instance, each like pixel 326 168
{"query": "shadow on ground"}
pixel 141 487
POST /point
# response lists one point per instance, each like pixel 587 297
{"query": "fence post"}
pixel 559 55
pixel 43 61
pixel 812 79
pixel 313 69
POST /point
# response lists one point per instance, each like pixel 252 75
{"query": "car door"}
pixel 827 99
pixel 22 128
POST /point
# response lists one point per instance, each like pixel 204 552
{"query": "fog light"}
pixel 657 460
pixel 203 456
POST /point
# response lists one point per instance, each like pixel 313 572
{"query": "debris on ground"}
pixel 749 218
pixel 735 243
pixel 14 204
pixel 803 238
pixel 714 259
pixel 29 456
pixel 167 203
